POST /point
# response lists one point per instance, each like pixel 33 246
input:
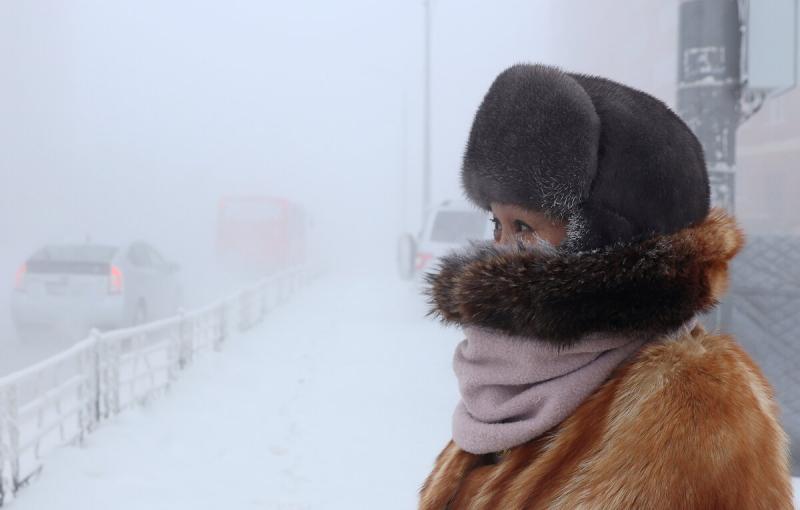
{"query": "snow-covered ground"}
pixel 341 399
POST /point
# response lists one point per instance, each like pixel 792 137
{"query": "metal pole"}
pixel 426 140
pixel 709 86
pixel 403 163
pixel 709 99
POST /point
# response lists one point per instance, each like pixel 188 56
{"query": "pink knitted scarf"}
pixel 515 389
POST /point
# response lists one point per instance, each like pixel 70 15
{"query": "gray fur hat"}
pixel 615 163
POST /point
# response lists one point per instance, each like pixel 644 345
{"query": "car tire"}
pixel 406 255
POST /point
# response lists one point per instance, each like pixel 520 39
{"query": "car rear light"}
pixel 19 279
pixel 422 260
pixel 114 280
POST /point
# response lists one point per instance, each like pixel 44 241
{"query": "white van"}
pixel 448 226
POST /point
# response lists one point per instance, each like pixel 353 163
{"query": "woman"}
pixel 586 379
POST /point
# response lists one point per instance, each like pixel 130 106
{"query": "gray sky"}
pixel 127 119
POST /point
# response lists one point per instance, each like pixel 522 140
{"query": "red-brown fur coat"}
pixel 689 423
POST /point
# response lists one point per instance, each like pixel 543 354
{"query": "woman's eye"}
pixel 498 228
pixel 522 226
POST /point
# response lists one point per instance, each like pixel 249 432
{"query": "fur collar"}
pixel 651 286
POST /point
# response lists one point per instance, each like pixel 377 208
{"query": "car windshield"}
pixel 458 226
pixel 75 253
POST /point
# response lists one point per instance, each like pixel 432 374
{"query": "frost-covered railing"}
pixel 63 398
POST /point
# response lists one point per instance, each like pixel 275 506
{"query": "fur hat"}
pixel 613 162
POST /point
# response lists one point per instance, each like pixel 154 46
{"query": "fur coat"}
pixel 688 422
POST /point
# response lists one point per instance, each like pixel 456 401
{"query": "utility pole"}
pixel 426 127
pixel 709 92
pixel 709 87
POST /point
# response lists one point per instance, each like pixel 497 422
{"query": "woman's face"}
pixel 513 223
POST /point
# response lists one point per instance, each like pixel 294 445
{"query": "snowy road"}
pixel 341 399
pixel 16 354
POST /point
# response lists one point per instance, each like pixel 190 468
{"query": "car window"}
pixel 458 226
pixel 139 256
pixel 75 253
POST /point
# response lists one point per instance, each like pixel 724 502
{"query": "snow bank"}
pixel 341 399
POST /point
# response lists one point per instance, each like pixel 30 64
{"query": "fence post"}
pixel 223 326
pixel 6 485
pixel 242 305
pixel 262 298
pixel 81 397
pixel 185 350
pixel 107 362
pixel 173 354
pixel 12 433
pixel 97 359
pixel 114 376
pixel 85 394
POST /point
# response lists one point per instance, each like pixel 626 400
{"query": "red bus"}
pixel 260 234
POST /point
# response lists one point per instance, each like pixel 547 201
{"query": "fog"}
pixel 131 120
pixel 127 120
pixel 123 121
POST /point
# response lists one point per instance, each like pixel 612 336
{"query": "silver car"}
pixel 94 286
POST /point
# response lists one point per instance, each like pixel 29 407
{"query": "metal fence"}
pixel 60 400
pixel 764 306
